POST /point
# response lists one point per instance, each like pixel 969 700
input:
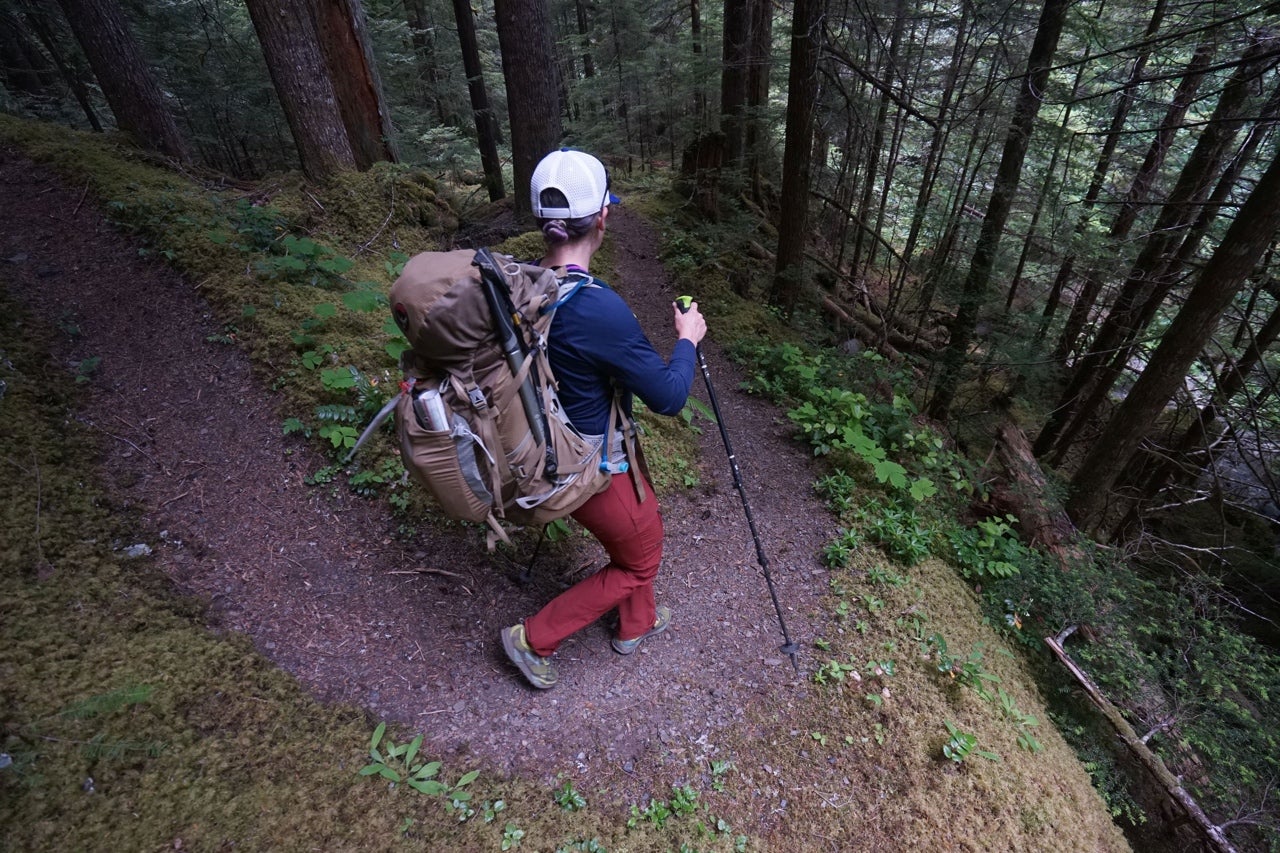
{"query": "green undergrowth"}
pixel 127 724
pixel 914 524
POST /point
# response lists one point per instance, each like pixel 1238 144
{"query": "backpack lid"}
pixel 438 304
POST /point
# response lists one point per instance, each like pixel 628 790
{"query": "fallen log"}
pixel 1213 834
pixel 1023 490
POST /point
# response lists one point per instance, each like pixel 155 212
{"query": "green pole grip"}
pixel 684 303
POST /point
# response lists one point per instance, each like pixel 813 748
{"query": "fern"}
pixel 337 413
pixel 107 703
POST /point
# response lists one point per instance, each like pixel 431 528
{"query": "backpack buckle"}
pixel 478 402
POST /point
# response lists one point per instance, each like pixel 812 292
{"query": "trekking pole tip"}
pixel 790 650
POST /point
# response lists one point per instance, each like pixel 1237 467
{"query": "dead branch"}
pixel 1213 834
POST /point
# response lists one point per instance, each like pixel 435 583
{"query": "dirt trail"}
pixel 409 632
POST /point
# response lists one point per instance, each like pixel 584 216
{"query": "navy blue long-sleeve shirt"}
pixel 595 338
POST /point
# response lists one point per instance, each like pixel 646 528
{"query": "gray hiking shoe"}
pixel 626 647
pixel 540 671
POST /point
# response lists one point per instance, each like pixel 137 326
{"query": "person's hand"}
pixel 690 325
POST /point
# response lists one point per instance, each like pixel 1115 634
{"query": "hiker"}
pixel 595 343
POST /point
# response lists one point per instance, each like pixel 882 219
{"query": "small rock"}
pixel 140 550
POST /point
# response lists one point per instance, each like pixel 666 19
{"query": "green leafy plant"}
pixel 583 846
pixel 962 744
pixel 990 549
pixel 399 763
pixel 968 671
pixel 568 799
pixel 656 812
pixel 839 491
pixel 833 670
pixel 899 530
pixel 837 553
pixel 511 836
pixel 718 771
pixel 369 482
pixel 684 800
pixel 86 368
pixel 228 335
pixel 1023 722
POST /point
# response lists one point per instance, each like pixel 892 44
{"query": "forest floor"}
pixel 406 627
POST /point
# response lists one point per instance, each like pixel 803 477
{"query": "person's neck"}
pixel 567 254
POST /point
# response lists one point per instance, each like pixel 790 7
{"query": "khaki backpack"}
pixel 479 422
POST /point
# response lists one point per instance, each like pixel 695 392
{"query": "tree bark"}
pixel 734 80
pixel 344 40
pixel 1241 248
pixel 533 88
pixel 131 91
pixel 802 91
pixel 74 79
pixel 287 33
pixel 487 133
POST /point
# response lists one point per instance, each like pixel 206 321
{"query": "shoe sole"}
pixel 513 654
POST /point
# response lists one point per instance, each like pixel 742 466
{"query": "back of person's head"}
pixel 568 190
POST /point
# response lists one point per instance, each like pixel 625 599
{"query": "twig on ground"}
pixel 425 571
pixel 152 459
pixel 367 243
pixel 81 201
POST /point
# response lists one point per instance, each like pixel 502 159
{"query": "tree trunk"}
pixel 695 35
pixel 1244 244
pixel 533 88
pixel 423 40
pixel 40 26
pixel 287 33
pixel 1181 462
pixel 584 33
pixel 344 40
pixel 761 59
pixel 487 133
pixel 1151 275
pixel 933 154
pixel 802 91
pixel 734 80
pixel 132 93
pixel 23 67
pixel 974 292
pixel 1134 199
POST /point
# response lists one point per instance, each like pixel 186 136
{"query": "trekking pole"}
pixel 497 294
pixel 788 648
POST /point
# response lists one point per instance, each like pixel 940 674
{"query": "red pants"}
pixel 631 533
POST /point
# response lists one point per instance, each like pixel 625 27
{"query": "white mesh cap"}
pixel 576 174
